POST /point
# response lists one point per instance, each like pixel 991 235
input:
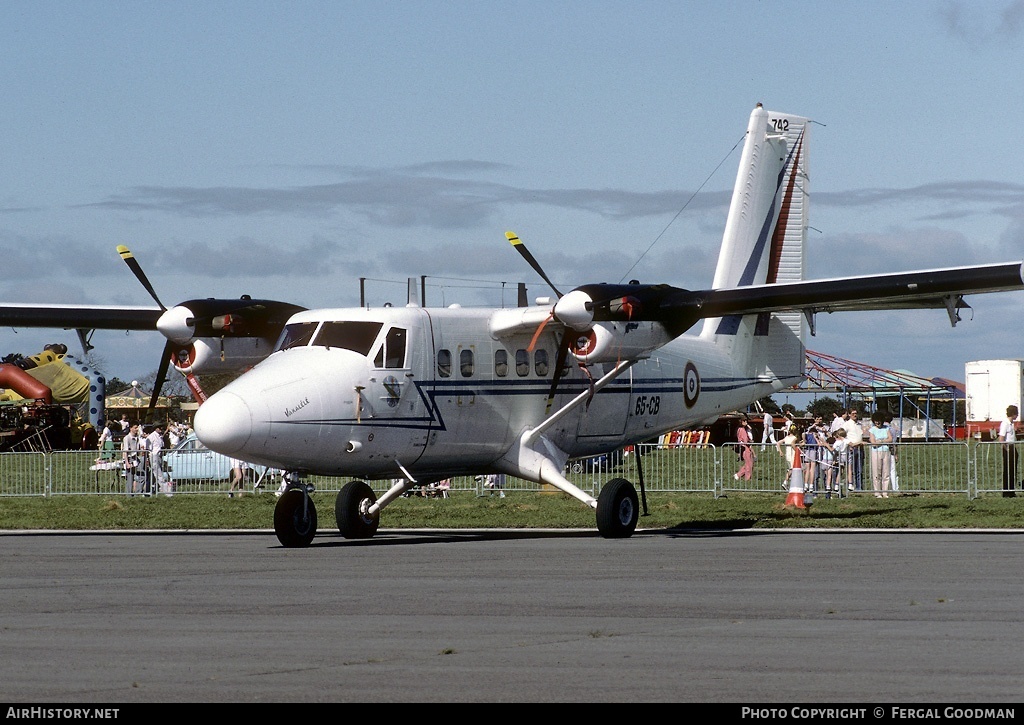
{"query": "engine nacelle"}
pixel 212 355
pixel 611 342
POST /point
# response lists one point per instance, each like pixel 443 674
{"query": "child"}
pixel 787 449
pixel 840 456
pixel 826 461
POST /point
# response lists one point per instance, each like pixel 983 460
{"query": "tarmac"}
pixel 738 617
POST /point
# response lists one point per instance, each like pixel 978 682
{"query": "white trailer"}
pixel 991 386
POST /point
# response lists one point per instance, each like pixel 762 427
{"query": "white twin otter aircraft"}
pixel 420 394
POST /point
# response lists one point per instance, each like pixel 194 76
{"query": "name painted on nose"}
pixel 302 404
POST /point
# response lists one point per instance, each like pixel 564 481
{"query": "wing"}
pixel 924 289
pixel 83 317
pixel 678 309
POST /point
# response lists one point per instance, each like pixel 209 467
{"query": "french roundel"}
pixel 691 385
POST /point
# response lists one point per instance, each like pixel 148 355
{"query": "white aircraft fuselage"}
pixel 447 391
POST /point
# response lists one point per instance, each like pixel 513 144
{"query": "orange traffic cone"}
pixel 796 483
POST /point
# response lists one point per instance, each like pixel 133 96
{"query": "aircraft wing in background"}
pixel 80 317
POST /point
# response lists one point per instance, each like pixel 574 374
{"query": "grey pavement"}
pixel 513 616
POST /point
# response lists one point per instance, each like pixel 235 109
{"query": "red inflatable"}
pixel 13 377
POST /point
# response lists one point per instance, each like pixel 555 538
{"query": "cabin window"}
pixel 466 363
pixel 501 363
pixel 444 363
pixel 540 362
pixel 522 363
pixel 392 352
pixel 354 336
pixel 297 334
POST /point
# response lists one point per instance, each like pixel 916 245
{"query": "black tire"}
pixel 349 508
pixel 618 509
pixel 295 519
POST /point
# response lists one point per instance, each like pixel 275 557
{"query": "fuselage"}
pixel 446 391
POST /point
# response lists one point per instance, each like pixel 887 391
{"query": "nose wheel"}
pixel 295 518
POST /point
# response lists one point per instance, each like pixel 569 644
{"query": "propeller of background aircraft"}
pixel 218 319
pixel 170 347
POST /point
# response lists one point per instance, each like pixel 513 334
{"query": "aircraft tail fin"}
pixel 763 242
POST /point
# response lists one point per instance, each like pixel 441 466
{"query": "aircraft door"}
pixel 398 368
pixel 470 404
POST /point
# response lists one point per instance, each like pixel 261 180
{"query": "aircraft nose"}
pixel 224 423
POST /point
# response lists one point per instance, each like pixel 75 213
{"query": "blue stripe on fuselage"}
pixel 512 388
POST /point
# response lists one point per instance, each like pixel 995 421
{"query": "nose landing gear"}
pixel 295 514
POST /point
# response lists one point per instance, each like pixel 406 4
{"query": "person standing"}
pixel 105 443
pixel 173 434
pixel 1008 438
pixel 130 455
pixel 787 448
pixel 840 457
pixel 855 451
pixel 880 437
pixel 894 479
pixel 827 465
pixel 155 447
pixel 238 467
pixel 496 482
pixel 812 440
pixel 768 436
pixel 745 436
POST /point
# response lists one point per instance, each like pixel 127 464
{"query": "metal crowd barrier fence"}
pixel 971 468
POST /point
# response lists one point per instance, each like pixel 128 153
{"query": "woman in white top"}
pixel 880 437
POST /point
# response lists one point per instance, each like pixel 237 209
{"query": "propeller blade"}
pixel 563 353
pixel 161 376
pixel 525 253
pixel 136 269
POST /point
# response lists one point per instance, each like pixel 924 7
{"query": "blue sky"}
pixel 286 149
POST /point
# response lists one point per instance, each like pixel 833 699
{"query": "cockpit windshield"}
pixel 297 334
pixel 355 336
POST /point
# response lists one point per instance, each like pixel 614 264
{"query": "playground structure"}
pixel 49 401
pixel 853 382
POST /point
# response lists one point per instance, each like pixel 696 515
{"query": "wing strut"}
pixel 953 303
pixel 531 435
pixel 809 313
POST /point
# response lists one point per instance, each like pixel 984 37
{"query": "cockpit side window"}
pixel 394 355
pixel 391 353
pixel 297 334
pixel 355 336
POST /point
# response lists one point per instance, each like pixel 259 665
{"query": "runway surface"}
pixel 518 616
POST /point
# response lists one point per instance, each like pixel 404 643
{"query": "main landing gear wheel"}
pixel 350 511
pixel 618 509
pixel 295 518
